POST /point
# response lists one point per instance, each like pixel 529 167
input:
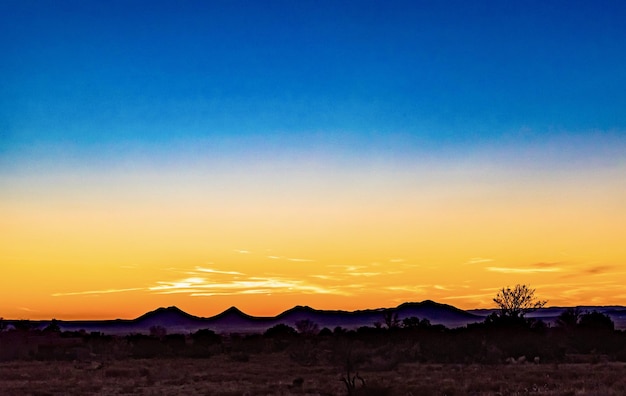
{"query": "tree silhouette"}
pixel 391 319
pixel 279 331
pixel 517 302
pixel 307 327
pixel 53 327
pixel 596 321
pixel 569 318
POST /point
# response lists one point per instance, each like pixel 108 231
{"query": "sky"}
pixel 336 154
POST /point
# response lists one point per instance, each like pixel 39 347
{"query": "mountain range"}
pixel 232 320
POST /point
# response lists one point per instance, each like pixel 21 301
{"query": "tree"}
pixel 307 327
pixel 157 331
pixel 53 327
pixel 517 302
pixel 280 331
pixel 415 323
pixel 569 318
pixel 596 321
pixel 23 325
pixel 391 319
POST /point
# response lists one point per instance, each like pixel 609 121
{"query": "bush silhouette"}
pixel 280 331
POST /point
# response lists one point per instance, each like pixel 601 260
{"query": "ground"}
pixel 277 374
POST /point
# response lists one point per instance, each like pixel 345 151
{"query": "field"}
pixel 276 374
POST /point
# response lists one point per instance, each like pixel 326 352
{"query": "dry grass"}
pixel 276 374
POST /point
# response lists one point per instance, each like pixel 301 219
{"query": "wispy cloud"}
pixel 367 274
pixel 478 260
pixel 297 260
pixel 214 271
pixel 326 277
pixel 249 285
pixel 585 271
pixel 242 251
pixel 545 265
pixel 599 269
pixel 408 288
pixel 509 270
pixel 488 296
pixel 105 291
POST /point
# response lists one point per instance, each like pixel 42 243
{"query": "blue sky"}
pixel 338 154
pixel 101 76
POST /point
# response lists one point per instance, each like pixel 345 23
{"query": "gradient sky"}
pixel 337 154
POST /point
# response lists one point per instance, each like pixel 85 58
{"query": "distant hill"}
pixel 549 314
pixel 233 320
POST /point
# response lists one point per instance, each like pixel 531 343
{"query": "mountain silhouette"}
pixel 233 320
pixel 170 316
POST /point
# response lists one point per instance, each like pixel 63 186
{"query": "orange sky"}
pixel 97 243
pixel 336 154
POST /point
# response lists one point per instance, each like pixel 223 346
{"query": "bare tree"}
pixel 569 318
pixel 391 319
pixel 307 327
pixel 518 301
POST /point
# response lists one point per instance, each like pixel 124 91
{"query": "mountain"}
pixel 170 316
pixel 549 315
pixel 436 313
pixel 233 320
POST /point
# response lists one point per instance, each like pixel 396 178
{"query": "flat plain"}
pixel 276 374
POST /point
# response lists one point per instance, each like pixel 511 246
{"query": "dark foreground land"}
pixel 582 355
pixel 275 374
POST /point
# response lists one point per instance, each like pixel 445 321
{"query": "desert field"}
pixel 276 374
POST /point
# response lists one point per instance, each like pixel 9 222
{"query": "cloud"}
pixel 599 269
pixel 298 260
pixel 249 285
pixel 593 270
pixel 106 291
pixel 397 260
pixel 214 271
pixel 364 273
pixel 326 277
pixel 508 270
pixel 468 297
pixel 544 265
pixel 242 251
pixel 408 288
pixel 478 260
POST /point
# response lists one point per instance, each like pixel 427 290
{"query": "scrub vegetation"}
pixel 507 354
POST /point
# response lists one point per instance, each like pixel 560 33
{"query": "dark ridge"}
pixel 168 313
pixel 429 306
pixel 232 312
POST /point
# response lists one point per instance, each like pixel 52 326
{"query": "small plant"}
pixel 307 327
pixel 350 381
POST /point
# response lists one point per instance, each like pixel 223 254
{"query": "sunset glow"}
pixel 265 155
